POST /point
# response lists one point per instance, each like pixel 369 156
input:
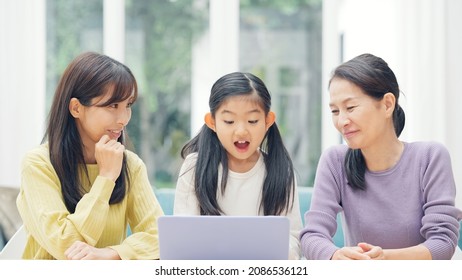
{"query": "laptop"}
pixel 224 237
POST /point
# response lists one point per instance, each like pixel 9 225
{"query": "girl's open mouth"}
pixel 242 145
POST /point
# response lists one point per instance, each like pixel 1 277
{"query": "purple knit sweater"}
pixel 409 204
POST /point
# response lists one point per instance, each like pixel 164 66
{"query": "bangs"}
pixel 121 88
pixel 254 98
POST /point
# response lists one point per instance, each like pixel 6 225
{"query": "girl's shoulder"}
pixel 133 159
pixel 192 157
pixel 38 155
pixel 189 162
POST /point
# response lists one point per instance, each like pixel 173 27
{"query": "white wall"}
pixel 330 59
pixel 22 83
pixel 421 41
pixel 453 101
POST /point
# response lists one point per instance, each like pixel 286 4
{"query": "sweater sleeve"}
pixel 143 209
pixel 186 202
pixel 440 224
pixel 45 215
pixel 320 219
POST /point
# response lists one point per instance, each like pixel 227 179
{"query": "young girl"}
pixel 81 188
pixel 237 164
pixel 397 198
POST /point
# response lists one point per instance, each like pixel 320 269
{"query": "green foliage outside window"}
pixel 160 36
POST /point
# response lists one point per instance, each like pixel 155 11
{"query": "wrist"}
pixel 108 176
pixel 112 254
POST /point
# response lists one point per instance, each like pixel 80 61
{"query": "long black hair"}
pixel 279 185
pixel 373 75
pixel 88 76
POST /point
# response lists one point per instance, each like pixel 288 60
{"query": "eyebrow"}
pixel 344 101
pixel 249 112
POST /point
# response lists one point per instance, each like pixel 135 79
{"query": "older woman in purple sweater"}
pixel 396 198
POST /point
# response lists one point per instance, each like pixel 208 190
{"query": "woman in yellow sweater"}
pixel 81 188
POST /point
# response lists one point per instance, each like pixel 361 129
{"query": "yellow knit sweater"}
pixel 51 229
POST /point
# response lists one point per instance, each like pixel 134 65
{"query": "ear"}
pixel 209 121
pixel 75 107
pixel 389 102
pixel 270 119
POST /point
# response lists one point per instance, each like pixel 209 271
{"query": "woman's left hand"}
pixel 374 252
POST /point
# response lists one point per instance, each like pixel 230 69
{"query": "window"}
pixel 72 27
pixel 279 41
pixel 160 36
